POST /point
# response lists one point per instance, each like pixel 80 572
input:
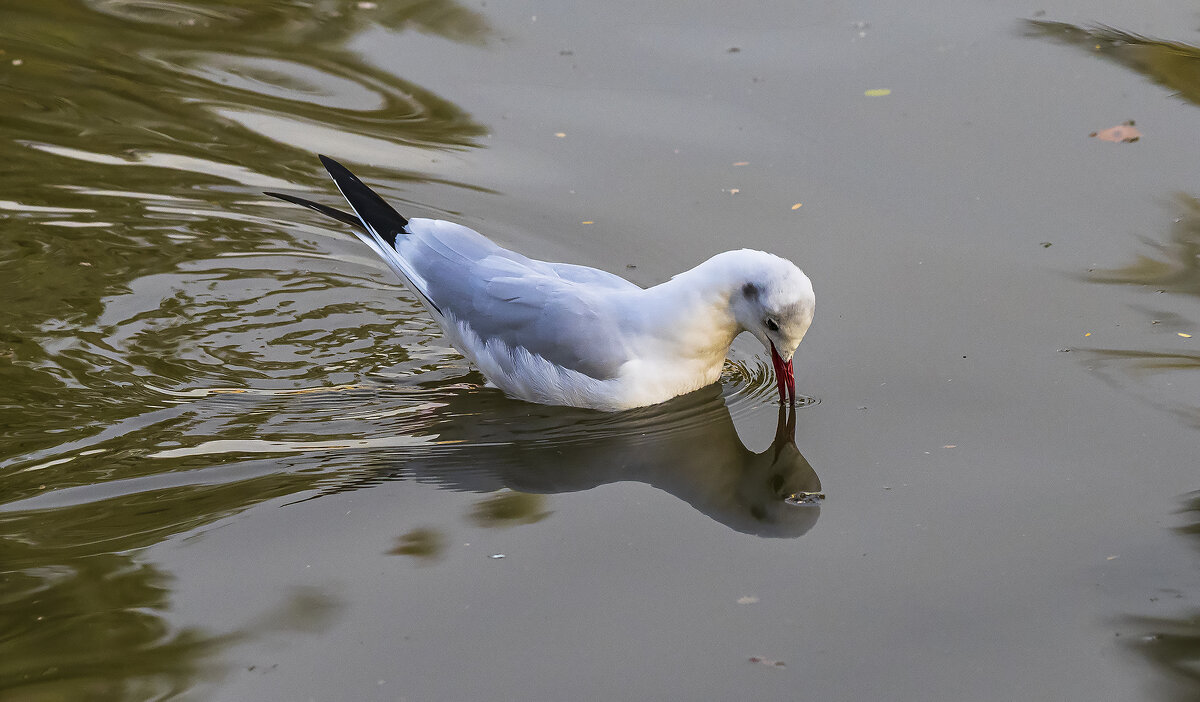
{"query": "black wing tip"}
pixel 375 212
pixel 336 169
pixel 287 198
pixel 342 175
pixel 343 217
pixel 367 198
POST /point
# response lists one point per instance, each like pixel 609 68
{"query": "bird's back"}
pixel 498 302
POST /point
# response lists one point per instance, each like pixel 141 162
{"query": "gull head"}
pixel 775 303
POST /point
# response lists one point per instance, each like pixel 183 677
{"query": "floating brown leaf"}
pixel 1121 134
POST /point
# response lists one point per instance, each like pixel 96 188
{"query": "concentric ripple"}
pixel 173 333
pixel 164 13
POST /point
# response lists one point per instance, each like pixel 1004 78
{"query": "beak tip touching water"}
pixel 785 378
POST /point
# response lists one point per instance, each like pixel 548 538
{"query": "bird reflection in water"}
pixel 688 447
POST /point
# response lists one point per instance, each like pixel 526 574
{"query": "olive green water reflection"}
pixel 123 111
pixel 132 265
pixel 1164 378
pixel 164 332
pixel 237 462
pixel 79 599
pixel 1172 64
pixel 1172 644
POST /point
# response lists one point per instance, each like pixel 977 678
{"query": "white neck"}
pixel 686 325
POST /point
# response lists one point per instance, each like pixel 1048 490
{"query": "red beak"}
pixel 784 377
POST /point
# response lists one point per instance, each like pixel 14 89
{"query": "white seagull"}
pixel 562 334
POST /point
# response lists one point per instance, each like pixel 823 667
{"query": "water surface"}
pixel 238 462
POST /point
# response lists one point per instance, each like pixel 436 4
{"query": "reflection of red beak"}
pixel 784 377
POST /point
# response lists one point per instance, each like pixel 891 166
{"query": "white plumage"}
pixel 563 334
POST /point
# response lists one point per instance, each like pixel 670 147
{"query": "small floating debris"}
pixel 878 92
pixel 767 662
pixel 497 556
pixel 1124 133
pixel 805 498
pixel 1186 336
pixel 798 205
pixel 748 599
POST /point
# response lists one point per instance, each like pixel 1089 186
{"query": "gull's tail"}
pixel 377 216
pixel 376 223
pixel 344 217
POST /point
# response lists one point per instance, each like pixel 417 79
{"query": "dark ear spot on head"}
pixel 750 290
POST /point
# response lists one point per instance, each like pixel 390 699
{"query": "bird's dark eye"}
pixel 772 325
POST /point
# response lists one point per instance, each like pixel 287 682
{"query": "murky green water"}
pixel 238 462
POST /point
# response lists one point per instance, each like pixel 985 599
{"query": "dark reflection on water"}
pixel 1170 267
pixel 1164 378
pixel 688 447
pixel 458 436
pixel 78 598
pixel 137 266
pixel 1171 644
pixel 172 354
pixel 1173 266
pixel 83 617
pixel 505 509
pixel 137 137
pixel 1171 64
pixel 423 543
pixel 63 622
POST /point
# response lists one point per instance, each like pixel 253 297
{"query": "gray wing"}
pixel 561 312
pixel 591 276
